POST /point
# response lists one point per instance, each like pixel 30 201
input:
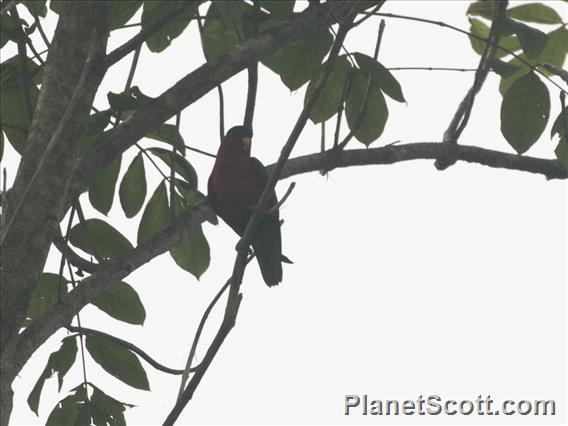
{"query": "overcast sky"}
pixel 406 281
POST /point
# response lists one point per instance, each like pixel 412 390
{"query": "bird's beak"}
pixel 246 143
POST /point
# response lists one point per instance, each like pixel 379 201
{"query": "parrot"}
pixel 234 189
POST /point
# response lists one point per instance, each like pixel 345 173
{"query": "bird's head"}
pixel 239 137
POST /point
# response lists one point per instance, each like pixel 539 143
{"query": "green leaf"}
pixel 14 118
pixel 219 35
pixel 504 69
pixel 332 92
pixel 230 12
pixel 100 239
pixel 561 152
pixel 122 11
pixel 36 7
pixel 122 302
pixel 168 133
pixel 101 190
pixel 118 361
pixel 154 11
pixel 132 189
pixel 559 126
pixel 280 9
pixel 524 112
pixel 533 41
pixel 59 363
pixel 128 100
pixel 535 12
pixel 45 295
pixel 481 8
pixel 106 410
pixel 190 196
pixel 376 114
pixel 382 78
pixel 478 28
pixel 57 6
pixel 181 165
pixel 68 410
pixel 297 62
pixel 192 253
pixel 554 53
pixel 216 38
pixel 98 121
pixel 156 215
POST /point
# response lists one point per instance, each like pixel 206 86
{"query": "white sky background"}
pixel 407 281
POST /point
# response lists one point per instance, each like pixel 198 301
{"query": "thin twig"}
pixel 173 171
pixel 252 75
pixel 221 112
pixel 149 157
pixel 127 345
pixel 82 343
pixel 431 69
pixel 40 28
pixel 363 111
pixel 219 87
pixel 564 113
pixel 459 30
pixel 279 204
pixel 208 154
pixel 322 137
pixel 461 117
pixel 234 299
pixel 188 369
pixel 344 96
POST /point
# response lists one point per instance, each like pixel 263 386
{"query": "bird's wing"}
pixel 262 176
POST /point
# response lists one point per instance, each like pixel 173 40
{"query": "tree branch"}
pixel 112 271
pixel 72 257
pixel 107 273
pixel 196 84
pixel 235 297
pixel 127 345
pixel 475 36
pixel 461 117
pixel 37 199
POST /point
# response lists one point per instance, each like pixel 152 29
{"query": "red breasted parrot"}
pixel 234 189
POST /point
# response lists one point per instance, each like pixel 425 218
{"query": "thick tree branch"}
pixel 196 84
pixel 107 273
pixel 37 200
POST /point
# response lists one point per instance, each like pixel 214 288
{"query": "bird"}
pixel 234 189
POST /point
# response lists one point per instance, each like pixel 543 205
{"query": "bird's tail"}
pixel 267 247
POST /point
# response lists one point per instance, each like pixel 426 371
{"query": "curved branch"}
pixel 115 270
pixel 127 345
pixel 73 258
pixel 330 159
